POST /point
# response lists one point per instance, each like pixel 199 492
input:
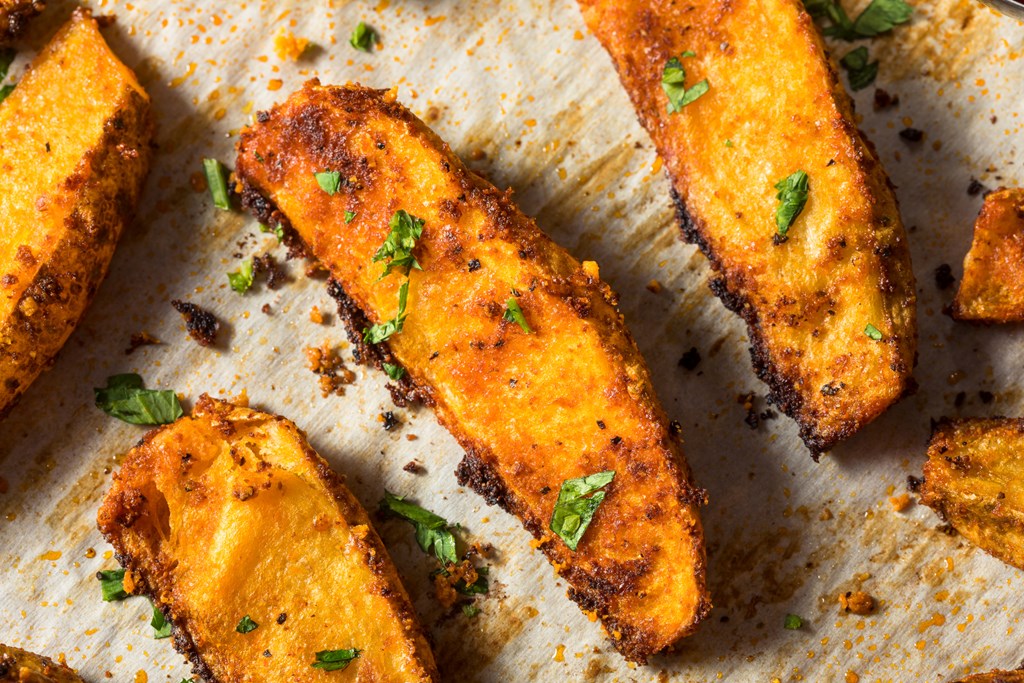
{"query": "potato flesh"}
pixel 992 289
pixel 27 667
pixel 974 480
pixel 230 513
pixel 774 107
pixel 528 408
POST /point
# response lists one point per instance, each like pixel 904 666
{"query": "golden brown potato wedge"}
pixel 774 107
pixel 74 152
pixel 974 480
pixel 15 15
pixel 994 677
pixel 27 667
pixel 568 399
pixel 992 289
pixel 229 513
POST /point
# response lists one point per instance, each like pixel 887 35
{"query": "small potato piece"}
pixel 229 513
pixel 974 480
pixel 994 677
pixel 74 151
pixel 15 15
pixel 992 289
pixel 27 667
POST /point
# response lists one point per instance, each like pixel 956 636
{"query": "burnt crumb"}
pixel 766 415
pixel 690 359
pixel 140 339
pixel 675 428
pixel 914 483
pixel 912 134
pixel 389 420
pixel 512 382
pixel 832 388
pixel 267 266
pixel 600 424
pixel 266 653
pixel 986 396
pixel 960 398
pixel 412 467
pixel 946 529
pixel 282 617
pixel 265 309
pixel 616 440
pixel 262 116
pixel 474 265
pixel 975 188
pixel 328 365
pixel 748 401
pixel 545 490
pixel 944 276
pixel 883 100
pixel 778 239
pixel 200 323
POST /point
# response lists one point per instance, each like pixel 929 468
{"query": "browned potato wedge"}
pixel 27 667
pixel 974 479
pixel 567 398
pixel 74 152
pixel 15 15
pixel 994 677
pixel 992 289
pixel 229 513
pixel 774 107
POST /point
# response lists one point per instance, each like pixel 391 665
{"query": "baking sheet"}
pixel 522 91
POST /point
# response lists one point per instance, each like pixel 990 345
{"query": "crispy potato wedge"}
pixel 775 106
pixel 27 667
pixel 15 15
pixel 74 151
pixel 992 289
pixel 229 513
pixel 571 398
pixel 994 677
pixel 974 480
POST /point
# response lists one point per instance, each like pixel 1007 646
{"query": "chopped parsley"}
pixel 728 143
pixel 278 231
pixel 432 532
pixel 363 37
pixel 860 71
pixel 395 372
pixel 161 627
pixel 879 17
pixel 792 196
pixel 217 181
pixel 396 251
pixel 873 332
pixel 112 584
pixel 478 587
pixel 6 58
pixel 673 78
pixel 335 660
pixel 514 314
pixel 350 216
pixel 329 181
pixel 470 610
pixel 383 331
pixel 125 398
pixel 241 279
pixel 574 510
pixel 246 625
pixel 792 622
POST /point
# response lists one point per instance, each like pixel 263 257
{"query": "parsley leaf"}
pixel 125 399
pixel 573 511
pixel 112 584
pixel 278 231
pixel 241 279
pixel 395 372
pixel 6 57
pixel 478 587
pixel 514 314
pixel 432 532
pixel 398 245
pixel 350 216
pixel 470 610
pixel 363 37
pixel 673 78
pixel 861 72
pixel 217 181
pixel 383 331
pixel 246 625
pixel 792 196
pixel 335 660
pixel 161 627
pixel 873 332
pixel 882 16
pixel 329 181
pixel 792 622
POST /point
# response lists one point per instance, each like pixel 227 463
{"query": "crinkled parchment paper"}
pixel 523 93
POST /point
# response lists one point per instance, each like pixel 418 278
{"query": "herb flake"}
pixel 246 625
pixel 792 622
pixel 329 181
pixel 217 181
pixel 161 627
pixel 335 660
pixel 395 372
pixel 396 251
pixel 514 314
pixel 574 510
pixel 241 280
pixel 792 196
pixel 112 584
pixel 350 216
pixel 383 331
pixel 125 398
pixel 363 37
pixel 860 71
pixel 432 533
pixel 873 332
pixel 673 78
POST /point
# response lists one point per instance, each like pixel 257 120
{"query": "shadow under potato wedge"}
pixel 775 106
pixel 568 398
pixel 74 152
pixel 27 667
pixel 229 513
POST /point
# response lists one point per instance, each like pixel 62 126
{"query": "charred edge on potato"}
pixel 15 15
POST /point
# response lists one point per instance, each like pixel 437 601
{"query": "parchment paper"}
pixel 523 93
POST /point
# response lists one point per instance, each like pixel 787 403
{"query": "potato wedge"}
pixel 27 667
pixel 974 480
pixel 992 289
pixel 994 677
pixel 74 151
pixel 229 513
pixel 774 107
pixel 570 398
pixel 15 15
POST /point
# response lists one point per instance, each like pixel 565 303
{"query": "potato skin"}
pixel 776 97
pixel 229 513
pixel 992 289
pixel 974 480
pixel 15 15
pixel 531 410
pixel 994 677
pixel 27 667
pixel 74 153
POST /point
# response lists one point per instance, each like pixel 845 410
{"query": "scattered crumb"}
pixel 388 420
pixel 140 339
pixel 315 316
pixel 267 265
pixel 900 503
pixel 200 323
pixel 826 515
pixel 944 276
pixel 975 188
pixel 265 309
pixel 411 437
pixel 288 47
pixel 986 396
pixel 690 359
pixel 914 483
pixel 413 467
pixel 857 602
pixel 654 287
pixel 328 365
pixel 912 134
pixel 883 100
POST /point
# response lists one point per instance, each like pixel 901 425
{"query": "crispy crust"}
pixel 974 481
pixel 15 15
pixel 994 677
pixel 487 380
pixel 845 263
pixel 27 667
pixel 227 482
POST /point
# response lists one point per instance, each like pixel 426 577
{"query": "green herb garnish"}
pixel 878 17
pixel 335 660
pixel 363 37
pixel 792 622
pixel 246 625
pixel 673 78
pixel 217 181
pixel 574 510
pixel 383 331
pixel 398 245
pixel 350 216
pixel 470 610
pixel 241 279
pixel 432 532
pixel 329 181
pixel 6 58
pixel 860 71
pixel 873 332
pixel 112 584
pixel 395 372
pixel 278 231
pixel 161 627
pixel 792 196
pixel 478 587
pixel 514 314
pixel 125 398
